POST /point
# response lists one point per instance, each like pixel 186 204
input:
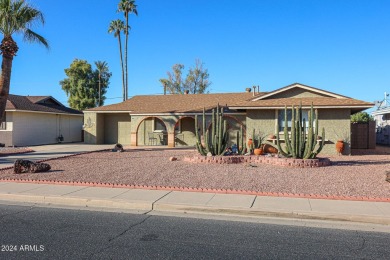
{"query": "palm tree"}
pixel 127 7
pixel 102 68
pixel 117 27
pixel 16 16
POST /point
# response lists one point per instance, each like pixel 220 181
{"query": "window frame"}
pixel 161 123
pixel 279 113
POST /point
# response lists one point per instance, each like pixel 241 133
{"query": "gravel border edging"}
pixel 286 162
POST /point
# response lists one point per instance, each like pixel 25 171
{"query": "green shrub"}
pixel 361 117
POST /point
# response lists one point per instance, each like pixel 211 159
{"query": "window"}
pixel 305 115
pixel 158 125
pixel 3 125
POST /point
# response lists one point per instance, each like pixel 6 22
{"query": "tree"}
pixel 196 81
pixel 361 117
pixel 127 7
pixel 16 16
pixel 102 68
pixel 82 85
pixel 174 83
pixel 117 27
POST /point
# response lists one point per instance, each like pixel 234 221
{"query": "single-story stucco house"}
pixel 170 119
pixel 36 120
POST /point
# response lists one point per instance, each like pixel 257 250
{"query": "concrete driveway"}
pixel 42 152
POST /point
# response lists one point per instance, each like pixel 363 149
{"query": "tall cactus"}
pixel 241 145
pixel 215 143
pixel 301 143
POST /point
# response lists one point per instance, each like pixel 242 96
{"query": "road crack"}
pixel 118 236
pixel 129 228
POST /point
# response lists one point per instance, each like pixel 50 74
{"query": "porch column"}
pixel 133 139
pixel 171 139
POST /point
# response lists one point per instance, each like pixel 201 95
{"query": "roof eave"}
pixel 277 91
pixel 42 112
pixel 306 106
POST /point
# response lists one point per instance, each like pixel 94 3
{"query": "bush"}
pixel 361 117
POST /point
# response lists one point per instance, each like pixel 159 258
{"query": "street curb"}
pixel 265 213
pixel 182 208
pixel 75 201
pixel 206 190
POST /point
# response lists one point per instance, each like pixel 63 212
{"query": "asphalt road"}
pixel 48 233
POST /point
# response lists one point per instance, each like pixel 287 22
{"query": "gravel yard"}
pixel 360 175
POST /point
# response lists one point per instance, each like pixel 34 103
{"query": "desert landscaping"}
pixel 350 176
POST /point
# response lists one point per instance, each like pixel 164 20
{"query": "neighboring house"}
pixel 382 119
pixel 35 120
pixel 169 119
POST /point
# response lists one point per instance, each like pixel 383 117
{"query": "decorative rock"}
pixel 118 148
pixel 24 166
pixel 172 159
pixel 209 154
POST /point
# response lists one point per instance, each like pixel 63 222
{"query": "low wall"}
pixel 287 162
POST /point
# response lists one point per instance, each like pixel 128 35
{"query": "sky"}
pixel 342 46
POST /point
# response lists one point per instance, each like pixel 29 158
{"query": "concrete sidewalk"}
pixel 42 152
pixel 193 202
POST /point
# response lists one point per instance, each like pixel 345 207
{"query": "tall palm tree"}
pixel 16 16
pixel 116 27
pixel 102 68
pixel 127 7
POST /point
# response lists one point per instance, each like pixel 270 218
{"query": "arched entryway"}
pixel 185 132
pixel 152 131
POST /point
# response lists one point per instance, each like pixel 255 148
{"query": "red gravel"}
pixel 362 175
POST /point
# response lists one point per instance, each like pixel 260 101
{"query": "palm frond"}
pixel 31 36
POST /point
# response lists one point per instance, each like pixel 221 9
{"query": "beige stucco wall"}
pixel 117 128
pixel 186 137
pixel 93 128
pixel 335 121
pixel 43 128
pixel 262 121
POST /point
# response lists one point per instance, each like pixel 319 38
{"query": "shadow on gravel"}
pixel 358 163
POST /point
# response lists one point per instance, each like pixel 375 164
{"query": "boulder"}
pixel 25 166
pixel 118 148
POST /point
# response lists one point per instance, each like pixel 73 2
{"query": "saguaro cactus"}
pixel 301 142
pixel 241 145
pixel 216 142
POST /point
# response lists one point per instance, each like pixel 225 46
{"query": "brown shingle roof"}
pixel 176 103
pixel 31 103
pixel 196 102
pixel 265 100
